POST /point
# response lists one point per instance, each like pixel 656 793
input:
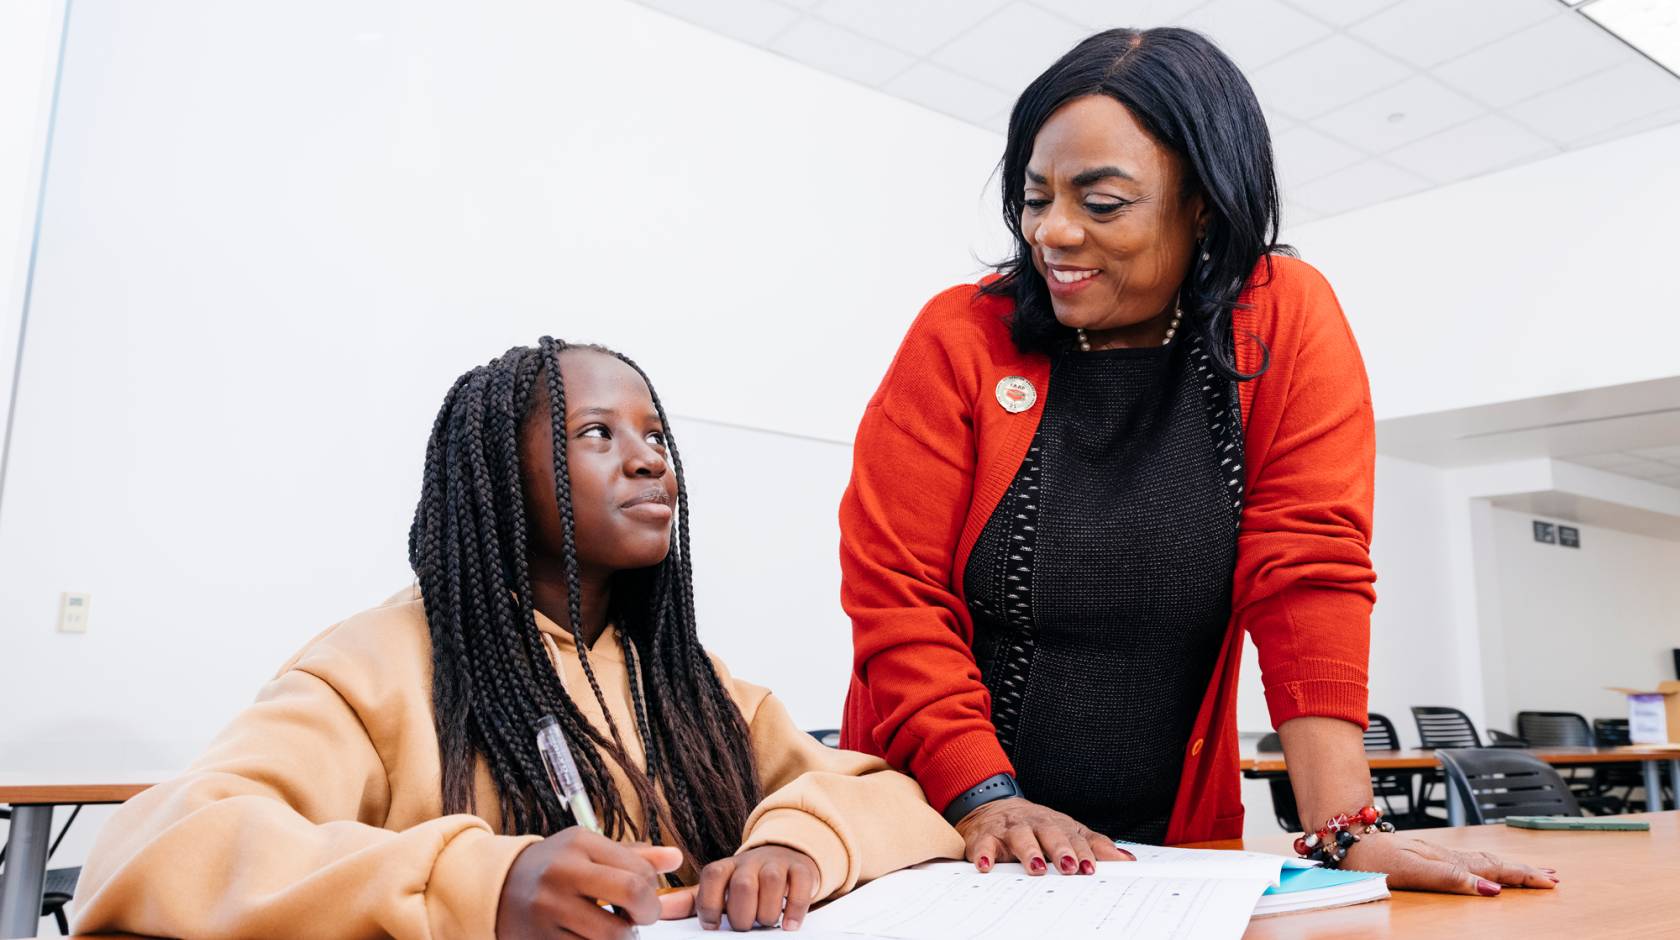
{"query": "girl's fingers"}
pixel 802 885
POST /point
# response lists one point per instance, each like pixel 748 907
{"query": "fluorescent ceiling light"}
pixel 1651 26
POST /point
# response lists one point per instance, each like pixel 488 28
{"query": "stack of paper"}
pixel 1167 894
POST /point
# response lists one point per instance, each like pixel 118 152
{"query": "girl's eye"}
pixel 656 438
pixel 1105 206
pixel 1036 204
pixel 596 430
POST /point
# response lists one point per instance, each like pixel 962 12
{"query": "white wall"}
pixel 29 34
pixel 272 241
pixel 1547 278
pixel 1576 620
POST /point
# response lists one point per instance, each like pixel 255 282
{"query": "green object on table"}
pixel 1577 822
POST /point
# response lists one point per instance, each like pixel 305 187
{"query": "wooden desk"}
pixel 1613 885
pixel 1413 760
pixel 32 797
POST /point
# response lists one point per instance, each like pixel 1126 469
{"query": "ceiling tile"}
pixel 917 28
pixel 1341 12
pixel 1325 76
pixel 1671 481
pixel 1303 155
pixel 1581 111
pixel 1399 114
pixel 1255 32
pixel 754 21
pixel 1107 14
pixel 1427 32
pixel 945 91
pixel 1478 146
pixel 1540 58
pixel 1011 48
pixel 841 51
pixel 1362 184
pixel 1644 469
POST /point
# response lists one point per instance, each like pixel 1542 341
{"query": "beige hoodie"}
pixel 318 811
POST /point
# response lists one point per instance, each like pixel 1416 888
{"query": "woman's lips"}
pixel 653 505
pixel 1068 281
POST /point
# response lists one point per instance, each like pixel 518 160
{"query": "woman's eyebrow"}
pixel 1087 177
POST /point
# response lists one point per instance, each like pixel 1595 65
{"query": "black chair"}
pixel 1439 726
pixel 1568 729
pixel 59 888
pixel 1613 732
pixel 1555 729
pixel 1494 783
pixel 1283 795
pixel 829 737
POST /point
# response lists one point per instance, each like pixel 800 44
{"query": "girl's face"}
pixel 623 491
pixel 1106 212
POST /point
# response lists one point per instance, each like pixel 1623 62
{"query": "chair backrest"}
pixel 1269 743
pixel 1380 735
pixel 1612 732
pixel 1496 782
pixel 829 737
pixel 1439 726
pixel 1554 729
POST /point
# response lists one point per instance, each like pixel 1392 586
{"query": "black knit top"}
pixel 1101 585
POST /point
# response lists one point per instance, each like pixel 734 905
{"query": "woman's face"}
pixel 1106 214
pixel 623 491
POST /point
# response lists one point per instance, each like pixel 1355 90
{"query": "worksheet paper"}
pixel 1179 894
pixel 1122 900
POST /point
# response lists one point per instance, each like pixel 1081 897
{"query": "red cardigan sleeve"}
pixel 1303 586
pixel 913 471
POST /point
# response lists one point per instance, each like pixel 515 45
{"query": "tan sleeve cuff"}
pixel 799 830
pixel 466 882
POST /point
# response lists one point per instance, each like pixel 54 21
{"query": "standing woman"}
pixel 1083 479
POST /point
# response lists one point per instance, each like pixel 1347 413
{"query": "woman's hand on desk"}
pixel 1416 865
pixel 560 883
pixel 1020 830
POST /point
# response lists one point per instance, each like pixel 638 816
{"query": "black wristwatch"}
pixel 995 787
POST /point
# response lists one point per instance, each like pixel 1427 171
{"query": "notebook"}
pixel 1310 889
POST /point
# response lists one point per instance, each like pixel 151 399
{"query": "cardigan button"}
pixel 1197 747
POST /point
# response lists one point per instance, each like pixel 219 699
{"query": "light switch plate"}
pixel 73 612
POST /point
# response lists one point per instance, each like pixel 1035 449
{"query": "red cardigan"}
pixel 935 453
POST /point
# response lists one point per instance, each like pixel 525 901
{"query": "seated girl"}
pixel 389 780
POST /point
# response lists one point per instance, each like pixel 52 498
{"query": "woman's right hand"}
pixel 1021 830
pixel 553 886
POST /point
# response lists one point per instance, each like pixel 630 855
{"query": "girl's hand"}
pixel 1026 832
pixel 757 887
pixel 553 887
pixel 1415 865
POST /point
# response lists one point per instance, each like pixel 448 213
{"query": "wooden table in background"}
pixel 1256 765
pixel 1613 885
pixel 32 798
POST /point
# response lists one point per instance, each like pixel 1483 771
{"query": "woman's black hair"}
pixel 1192 98
pixel 492 679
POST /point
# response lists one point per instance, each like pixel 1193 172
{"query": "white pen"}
pixel 568 784
pixel 563 773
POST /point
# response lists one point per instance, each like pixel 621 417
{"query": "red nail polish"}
pixel 1486 888
pixel 1036 865
pixel 1087 867
pixel 984 863
pixel 1070 864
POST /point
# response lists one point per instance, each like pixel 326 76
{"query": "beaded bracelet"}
pixel 1330 844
